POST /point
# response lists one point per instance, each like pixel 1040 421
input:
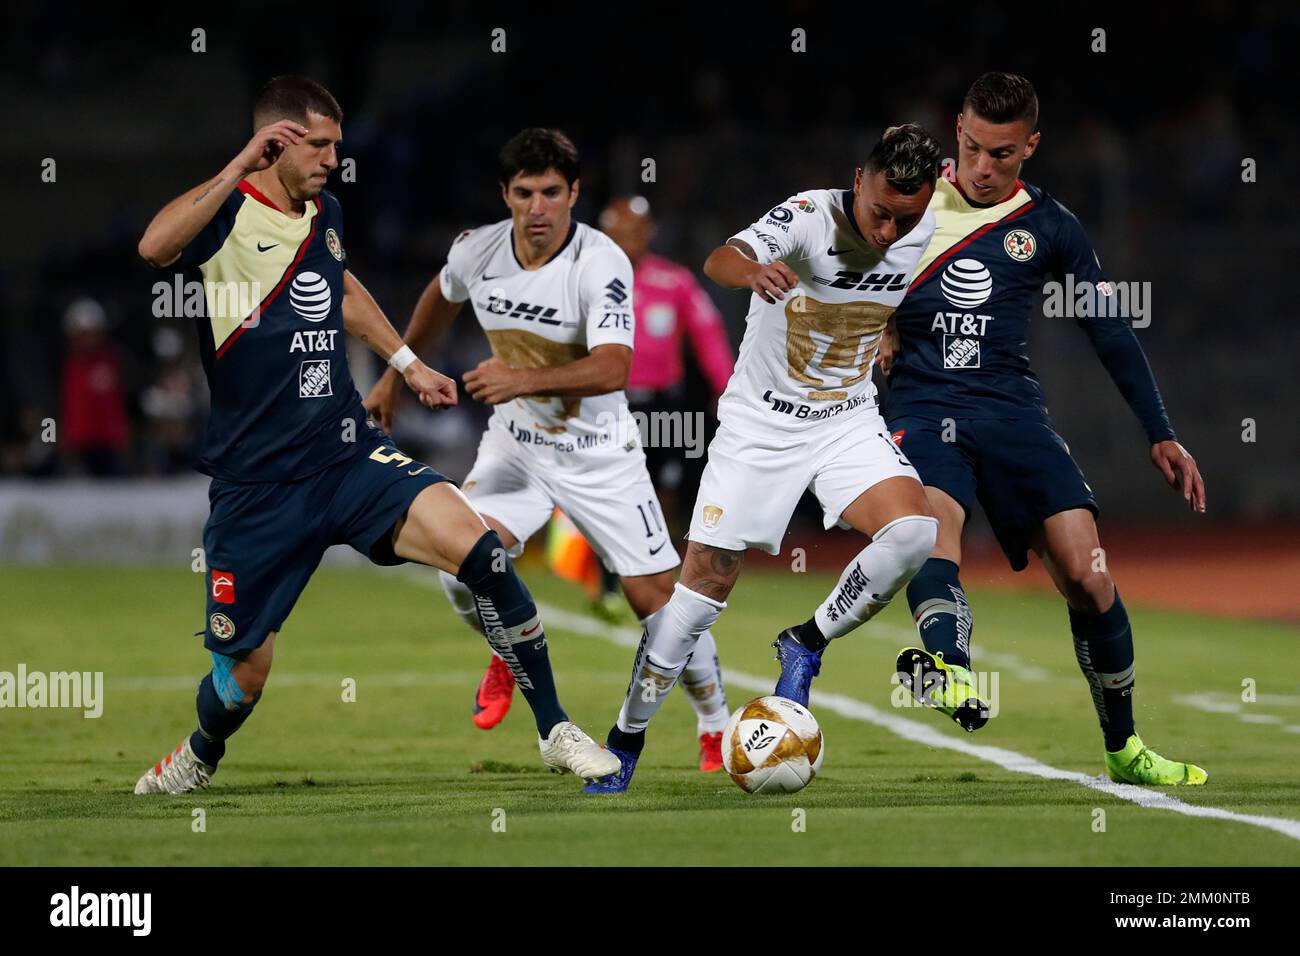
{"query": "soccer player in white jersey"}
pixel 826 269
pixel 554 297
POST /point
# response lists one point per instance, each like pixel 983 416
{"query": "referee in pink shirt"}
pixel 672 311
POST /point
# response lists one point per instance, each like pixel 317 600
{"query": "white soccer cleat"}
pixel 179 772
pixel 568 749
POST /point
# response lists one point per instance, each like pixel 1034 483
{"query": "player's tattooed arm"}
pixel 178 222
pixel 734 266
pixel 363 318
pixel 604 370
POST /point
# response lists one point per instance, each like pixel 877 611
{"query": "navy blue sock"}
pixel 941 611
pixel 1103 644
pixel 511 625
pixel 216 722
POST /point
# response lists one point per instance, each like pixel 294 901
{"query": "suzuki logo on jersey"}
pixel 223 587
pixel 314 379
pixel 500 305
pixel 310 296
pixel 966 283
pixel 617 292
pixel 876 282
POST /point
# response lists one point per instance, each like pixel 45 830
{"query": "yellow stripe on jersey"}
pixel 520 348
pixel 261 246
pixel 955 219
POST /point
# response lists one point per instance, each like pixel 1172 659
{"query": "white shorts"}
pixel 615 508
pixel 753 481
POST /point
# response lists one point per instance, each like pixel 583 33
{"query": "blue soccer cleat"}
pixel 615 782
pixel 798 667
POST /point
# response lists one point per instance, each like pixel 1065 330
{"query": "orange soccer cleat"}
pixel 492 699
pixel 711 752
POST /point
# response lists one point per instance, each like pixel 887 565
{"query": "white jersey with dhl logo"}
pixel 553 315
pixel 807 359
pixel 800 410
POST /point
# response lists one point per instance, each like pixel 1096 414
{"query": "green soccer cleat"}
pixel 948 688
pixel 1137 763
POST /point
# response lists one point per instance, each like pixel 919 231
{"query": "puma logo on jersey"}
pixel 499 305
pixel 876 282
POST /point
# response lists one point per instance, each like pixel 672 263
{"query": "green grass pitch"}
pixel 401 776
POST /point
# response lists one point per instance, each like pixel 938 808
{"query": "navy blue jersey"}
pixel 964 324
pixel 272 340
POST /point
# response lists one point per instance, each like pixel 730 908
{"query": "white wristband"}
pixel 402 359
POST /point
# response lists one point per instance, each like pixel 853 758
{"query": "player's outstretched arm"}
pixel 178 222
pixel 734 266
pixel 433 315
pixel 1122 356
pixel 604 370
pixel 363 318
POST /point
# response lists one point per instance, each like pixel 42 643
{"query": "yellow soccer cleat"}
pixel 948 688
pixel 1138 764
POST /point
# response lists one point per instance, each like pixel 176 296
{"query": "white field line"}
pixel 1222 703
pixel 928 736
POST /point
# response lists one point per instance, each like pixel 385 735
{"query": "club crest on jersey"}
pixel 805 205
pixel 222 627
pixel 310 296
pixel 333 244
pixel 960 352
pixel 314 379
pixel 711 514
pixel 966 283
pixel 1020 245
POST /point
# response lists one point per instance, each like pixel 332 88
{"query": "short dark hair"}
pixel 908 156
pixel 535 150
pixel 1003 98
pixel 293 97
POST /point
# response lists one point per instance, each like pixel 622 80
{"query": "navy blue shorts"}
pixel 264 541
pixel 1020 472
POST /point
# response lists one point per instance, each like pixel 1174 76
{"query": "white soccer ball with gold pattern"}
pixel 772 745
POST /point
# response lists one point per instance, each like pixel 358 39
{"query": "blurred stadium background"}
pixel 1145 142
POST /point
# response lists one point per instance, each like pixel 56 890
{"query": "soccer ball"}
pixel 772 745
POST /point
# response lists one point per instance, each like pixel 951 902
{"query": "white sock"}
pixel 702 680
pixel 872 578
pixel 668 638
pixel 462 601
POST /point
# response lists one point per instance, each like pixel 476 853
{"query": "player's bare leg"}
pixel 441 529
pixel 701 678
pixel 896 516
pixel 1069 547
pixel 225 700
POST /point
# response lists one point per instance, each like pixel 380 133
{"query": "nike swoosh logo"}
pixel 532 630
pixel 261 248
pixel 838 252
pixel 421 470
pixel 654 551
pixel 488 278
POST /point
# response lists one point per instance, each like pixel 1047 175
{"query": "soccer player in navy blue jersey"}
pixel 295 465
pixel 966 408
